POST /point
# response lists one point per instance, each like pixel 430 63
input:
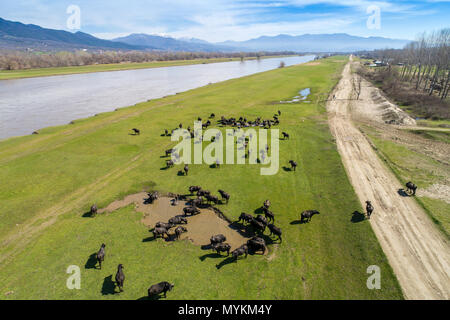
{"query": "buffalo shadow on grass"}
pixel 88 214
pixel 287 169
pixel 109 286
pixel 225 261
pixel 357 217
pixel 91 262
pixel 212 255
pixel 402 192
pixel 154 297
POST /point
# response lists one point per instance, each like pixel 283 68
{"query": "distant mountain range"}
pixel 171 44
pixel 19 36
pixel 16 35
pixel 337 42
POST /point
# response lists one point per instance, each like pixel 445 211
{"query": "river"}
pixel 30 104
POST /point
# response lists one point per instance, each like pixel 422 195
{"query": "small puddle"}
pixel 303 94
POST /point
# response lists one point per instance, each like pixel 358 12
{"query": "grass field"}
pixel 49 180
pixel 409 165
pixel 44 72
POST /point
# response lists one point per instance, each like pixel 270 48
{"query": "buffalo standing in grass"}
pixel 266 204
pixel 159 288
pixel 411 188
pixel 93 210
pixel 224 195
pixel 120 277
pixel 239 252
pixel 136 131
pixel 169 152
pixel 275 230
pixel 245 217
pixel 257 225
pixel 179 230
pixel 269 215
pixel 257 244
pixel 307 215
pixel 293 164
pixel 169 163
pixel 285 135
pixel 222 247
pixel 160 232
pixel 369 209
pixel 101 255
pixel 186 169
pixel 262 219
pixel 193 189
pixel 211 198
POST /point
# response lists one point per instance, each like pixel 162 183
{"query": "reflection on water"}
pixel 30 104
pixel 303 94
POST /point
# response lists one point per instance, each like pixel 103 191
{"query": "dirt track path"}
pixel 417 251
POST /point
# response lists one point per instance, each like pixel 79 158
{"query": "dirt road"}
pixel 417 251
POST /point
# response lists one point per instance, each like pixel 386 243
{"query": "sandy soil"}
pixel 418 253
pixel 200 227
pixel 381 110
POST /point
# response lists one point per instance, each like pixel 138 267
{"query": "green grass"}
pixel 44 72
pixel 443 136
pixel 409 165
pixel 95 160
pixel 434 123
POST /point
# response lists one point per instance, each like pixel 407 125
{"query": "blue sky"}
pixel 220 20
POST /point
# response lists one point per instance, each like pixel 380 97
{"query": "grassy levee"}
pixel 53 178
pixel 45 72
pixel 409 165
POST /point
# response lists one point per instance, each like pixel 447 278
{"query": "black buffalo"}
pixel 190 210
pixel 120 277
pixel 101 255
pixel 245 217
pixel 307 215
pixel 160 232
pixel 177 220
pixel 275 230
pixel 179 230
pixel 240 251
pixel 369 209
pixel 218 238
pixel 222 247
pixel 411 188
pixel 224 195
pixel 257 244
pixel 159 288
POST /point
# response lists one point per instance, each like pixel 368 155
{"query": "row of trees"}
pixel 425 63
pixel 15 60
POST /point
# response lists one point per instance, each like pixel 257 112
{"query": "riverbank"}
pixel 50 180
pixel 46 72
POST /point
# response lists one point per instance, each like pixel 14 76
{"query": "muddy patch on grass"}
pixel 200 227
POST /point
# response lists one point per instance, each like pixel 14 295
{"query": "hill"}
pixel 16 35
pixel 337 42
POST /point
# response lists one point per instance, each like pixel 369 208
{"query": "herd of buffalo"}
pixel 204 198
